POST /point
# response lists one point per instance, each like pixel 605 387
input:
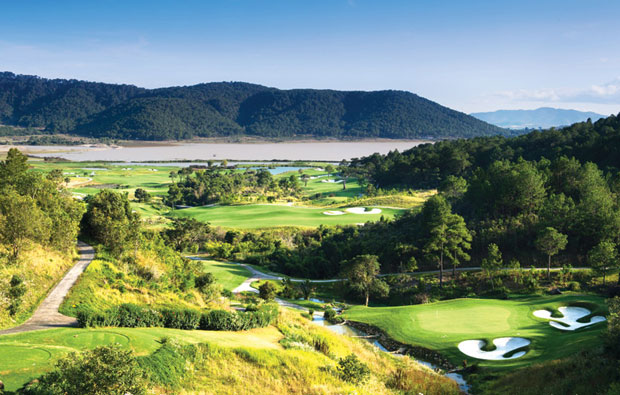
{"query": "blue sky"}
pixel 469 55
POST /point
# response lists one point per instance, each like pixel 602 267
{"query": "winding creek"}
pixel 344 329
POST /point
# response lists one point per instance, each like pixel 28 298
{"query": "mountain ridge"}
pixel 542 117
pixel 223 109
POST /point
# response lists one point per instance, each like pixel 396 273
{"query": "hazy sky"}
pixel 469 55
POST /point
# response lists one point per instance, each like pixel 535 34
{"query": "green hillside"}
pixel 225 109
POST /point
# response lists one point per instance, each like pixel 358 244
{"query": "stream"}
pixel 343 329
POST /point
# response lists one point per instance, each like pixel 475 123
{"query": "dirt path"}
pixel 46 315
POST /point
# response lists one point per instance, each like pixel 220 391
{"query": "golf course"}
pixel 441 326
pixel 87 179
pixel 272 215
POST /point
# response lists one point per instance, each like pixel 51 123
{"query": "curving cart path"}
pixel 46 316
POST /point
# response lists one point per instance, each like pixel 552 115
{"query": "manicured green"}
pixel 230 275
pixel 270 215
pixel 443 325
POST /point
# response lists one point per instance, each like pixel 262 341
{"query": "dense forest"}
pixel 547 198
pixel 425 166
pixel 225 109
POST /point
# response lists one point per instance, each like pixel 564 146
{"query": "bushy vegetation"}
pixel 225 109
pixel 212 185
pixel 106 370
pixel 38 228
pixel 134 316
pixel 297 357
pixel 35 208
pixel 137 266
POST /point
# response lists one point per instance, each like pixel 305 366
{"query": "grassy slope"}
pixel 270 215
pixel 41 268
pixel 38 350
pixel 106 282
pixel 236 362
pixel 442 325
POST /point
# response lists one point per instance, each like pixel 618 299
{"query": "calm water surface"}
pixel 332 151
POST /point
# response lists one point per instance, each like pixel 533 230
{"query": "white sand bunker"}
pixel 333 181
pixel 362 210
pixel 504 345
pixel 334 212
pixel 569 321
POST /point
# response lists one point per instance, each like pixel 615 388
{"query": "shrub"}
pixel 181 318
pixel 574 286
pixel 352 370
pixel 134 316
pixel 204 280
pixel 16 292
pixel 267 290
pixel 420 298
pixel 106 370
pixel 331 316
pixel 215 320
pixel 222 320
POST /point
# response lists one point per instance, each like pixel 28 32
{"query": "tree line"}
pixel 197 187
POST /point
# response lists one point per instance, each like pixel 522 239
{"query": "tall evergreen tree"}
pixel 550 242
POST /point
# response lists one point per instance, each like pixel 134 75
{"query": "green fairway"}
pixel 443 325
pixel 230 275
pixel 26 356
pixel 270 215
pixel 90 178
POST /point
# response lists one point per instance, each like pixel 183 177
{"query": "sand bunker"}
pixel 362 210
pixel 504 345
pixel 569 321
pixel 335 212
pixel 333 181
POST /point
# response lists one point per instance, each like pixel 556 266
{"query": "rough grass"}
pixel 228 362
pixel 41 268
pixel 398 200
pixel 25 356
pixel 442 325
pixel 588 373
pixel 106 283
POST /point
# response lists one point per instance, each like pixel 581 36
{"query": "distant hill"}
pixel 225 109
pixel 544 117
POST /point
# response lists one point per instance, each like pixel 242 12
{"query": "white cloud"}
pixel 608 93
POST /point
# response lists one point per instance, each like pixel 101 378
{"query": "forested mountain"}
pixel 544 117
pixel 225 109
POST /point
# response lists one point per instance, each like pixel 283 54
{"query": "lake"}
pixel 319 151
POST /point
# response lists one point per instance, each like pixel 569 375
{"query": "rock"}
pixel 555 291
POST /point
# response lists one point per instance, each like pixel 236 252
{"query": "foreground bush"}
pixel 106 370
pixel 134 316
pixel 351 369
